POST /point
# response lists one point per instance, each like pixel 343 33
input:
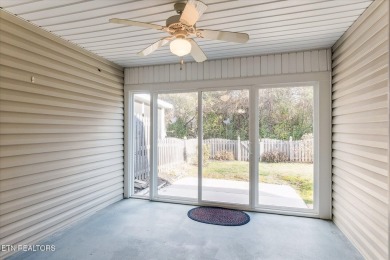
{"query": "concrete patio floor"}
pixel 142 230
pixel 229 191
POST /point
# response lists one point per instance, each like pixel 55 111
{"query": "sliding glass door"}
pixel 176 146
pixel 225 129
pixel 253 148
pixel 286 141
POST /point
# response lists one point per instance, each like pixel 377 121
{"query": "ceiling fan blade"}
pixel 223 36
pixel 154 46
pixel 192 12
pixel 196 52
pixel 139 24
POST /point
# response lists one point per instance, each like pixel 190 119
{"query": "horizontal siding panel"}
pixel 25 43
pixel 26 191
pixel 14 139
pixel 362 184
pixel 351 234
pixel 374 47
pixel 361 34
pixel 368 79
pixel 363 106
pixel 361 128
pixel 368 210
pixel 360 76
pixel 61 132
pixel 55 147
pixel 367 175
pixel 377 250
pixel 19 118
pixel 69 220
pixel 376 90
pixel 365 216
pixel 18 182
pixel 367 152
pixel 37 198
pixel 43 225
pixel 17 47
pixel 15 79
pixel 51 212
pixel 38 70
pixel 19 171
pixel 378 205
pixel 372 66
pixel 17 215
pixel 372 232
pixel 20 160
pixel 55 129
pixel 22 107
pixel 371 116
pixel 363 140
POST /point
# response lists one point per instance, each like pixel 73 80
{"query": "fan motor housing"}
pixel 172 20
pixel 175 26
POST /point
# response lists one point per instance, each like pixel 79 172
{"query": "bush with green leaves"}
pixel 274 157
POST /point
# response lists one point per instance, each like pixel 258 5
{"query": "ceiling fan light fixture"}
pixel 180 47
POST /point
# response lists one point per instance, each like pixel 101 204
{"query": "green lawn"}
pixel 297 175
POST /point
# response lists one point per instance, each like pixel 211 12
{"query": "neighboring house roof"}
pixel 146 99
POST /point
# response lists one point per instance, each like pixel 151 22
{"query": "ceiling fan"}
pixel 182 30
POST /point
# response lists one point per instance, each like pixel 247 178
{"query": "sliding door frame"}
pixel 316 150
pixel 320 79
pixel 201 201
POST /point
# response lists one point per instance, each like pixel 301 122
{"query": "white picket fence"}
pixel 296 151
pixel 141 147
pixel 174 151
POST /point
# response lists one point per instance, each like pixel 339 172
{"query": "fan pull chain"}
pixel 181 63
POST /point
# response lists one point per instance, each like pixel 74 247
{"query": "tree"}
pixel 182 120
pixel 283 112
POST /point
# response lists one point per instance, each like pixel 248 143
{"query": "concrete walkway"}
pixel 234 192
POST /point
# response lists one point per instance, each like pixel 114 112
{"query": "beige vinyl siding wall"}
pixel 253 66
pixel 361 132
pixel 61 132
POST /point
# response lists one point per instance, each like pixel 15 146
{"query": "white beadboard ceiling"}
pixel 273 26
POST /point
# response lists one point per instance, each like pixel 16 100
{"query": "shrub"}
pixel 274 157
pixel 206 155
pixel 224 156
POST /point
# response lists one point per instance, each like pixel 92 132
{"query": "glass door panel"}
pixel 177 140
pixel 286 147
pixel 141 144
pixel 225 171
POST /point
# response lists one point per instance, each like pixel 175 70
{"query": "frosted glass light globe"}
pixel 180 47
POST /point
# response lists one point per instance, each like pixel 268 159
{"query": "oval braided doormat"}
pixel 219 216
